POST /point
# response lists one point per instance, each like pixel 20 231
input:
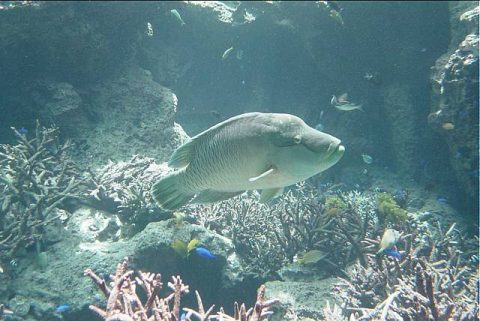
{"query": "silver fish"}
pixel 342 103
pixel 349 107
pixel 389 239
pixel 367 159
pixel 177 15
pixel 265 151
pixel 227 53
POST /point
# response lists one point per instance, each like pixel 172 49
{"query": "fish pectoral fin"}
pixel 210 196
pixel 183 155
pixel 270 193
pixel 270 171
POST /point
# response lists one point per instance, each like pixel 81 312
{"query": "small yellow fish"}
pixel 227 53
pixel 311 257
pixel 389 239
pixel 180 248
pixel 448 126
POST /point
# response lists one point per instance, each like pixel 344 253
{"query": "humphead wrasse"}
pixel 264 151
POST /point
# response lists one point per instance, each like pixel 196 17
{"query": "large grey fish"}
pixel 264 151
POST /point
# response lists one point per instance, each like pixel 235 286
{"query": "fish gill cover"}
pixel 359 202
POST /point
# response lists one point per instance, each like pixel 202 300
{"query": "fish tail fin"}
pixel 167 194
pixel 360 108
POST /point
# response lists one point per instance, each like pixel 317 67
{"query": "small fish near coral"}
pixel 393 253
pixel 389 239
pixel 265 151
pixel 22 131
pixel 205 253
pixel 62 308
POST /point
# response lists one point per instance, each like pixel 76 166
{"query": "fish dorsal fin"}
pixel 270 193
pixel 268 172
pixel 183 155
pixel 343 97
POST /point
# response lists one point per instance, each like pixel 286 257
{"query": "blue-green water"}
pixel 96 97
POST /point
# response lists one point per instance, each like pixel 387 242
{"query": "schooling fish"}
pixel 265 151
pixel 177 15
pixel 205 253
pixel 389 239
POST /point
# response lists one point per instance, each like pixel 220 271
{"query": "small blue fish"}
pixel 442 199
pixel 203 252
pixel 393 253
pixel 23 131
pixel 62 308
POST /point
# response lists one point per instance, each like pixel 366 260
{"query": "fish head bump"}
pixel 304 147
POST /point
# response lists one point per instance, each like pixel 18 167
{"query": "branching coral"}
pixel 249 224
pixel 36 176
pixel 267 236
pixel 124 304
pixel 434 281
pixel 124 188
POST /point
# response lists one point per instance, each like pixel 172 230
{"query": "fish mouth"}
pixel 335 151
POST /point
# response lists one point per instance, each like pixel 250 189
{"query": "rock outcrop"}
pixel 454 109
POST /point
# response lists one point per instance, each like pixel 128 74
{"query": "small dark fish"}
pixel 23 131
pixel 442 199
pixel 393 253
pixel 205 253
pixel 62 308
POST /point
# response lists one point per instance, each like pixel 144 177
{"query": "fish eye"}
pixel 297 139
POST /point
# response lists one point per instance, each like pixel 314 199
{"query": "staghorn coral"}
pixel 124 188
pixel 36 177
pixel 124 304
pixel 249 224
pixel 434 281
pixel 267 236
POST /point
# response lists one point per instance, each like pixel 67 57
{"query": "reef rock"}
pixel 132 115
pixel 300 301
pixel 454 108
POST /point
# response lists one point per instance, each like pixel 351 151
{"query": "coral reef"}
pixel 388 209
pixel 434 280
pixel 250 225
pixel 124 189
pixel 267 236
pixel 37 177
pixel 123 302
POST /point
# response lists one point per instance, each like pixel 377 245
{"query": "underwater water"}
pixel 239 160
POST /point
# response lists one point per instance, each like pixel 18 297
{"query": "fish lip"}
pixel 335 151
pixel 333 147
